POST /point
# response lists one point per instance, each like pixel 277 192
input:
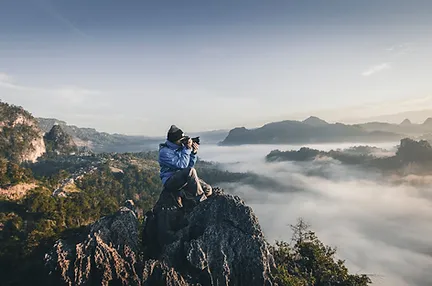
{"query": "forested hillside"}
pixel 20 137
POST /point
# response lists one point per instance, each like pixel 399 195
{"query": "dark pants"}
pixel 186 184
pixel 181 193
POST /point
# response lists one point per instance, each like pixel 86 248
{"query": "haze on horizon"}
pixel 379 227
pixel 138 67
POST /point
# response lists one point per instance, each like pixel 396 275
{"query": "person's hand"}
pixel 189 144
pixel 195 147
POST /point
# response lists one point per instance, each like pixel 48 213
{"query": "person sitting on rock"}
pixel 177 158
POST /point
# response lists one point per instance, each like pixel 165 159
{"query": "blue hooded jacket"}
pixel 173 158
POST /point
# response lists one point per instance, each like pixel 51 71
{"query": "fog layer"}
pixel 379 228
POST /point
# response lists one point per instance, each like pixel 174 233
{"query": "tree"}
pixel 307 261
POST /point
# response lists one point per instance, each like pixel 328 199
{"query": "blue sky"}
pixel 137 67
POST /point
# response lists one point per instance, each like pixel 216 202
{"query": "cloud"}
pixel 394 111
pixel 75 95
pixel 71 94
pixel 5 78
pixel 378 227
pixel 7 81
pixel 401 49
pixel 376 69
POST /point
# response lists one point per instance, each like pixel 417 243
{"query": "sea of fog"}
pixel 379 229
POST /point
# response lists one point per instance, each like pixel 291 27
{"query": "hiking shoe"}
pixel 201 198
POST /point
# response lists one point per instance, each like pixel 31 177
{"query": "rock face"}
pixel 108 254
pixel 222 244
pixel 59 142
pixel 20 137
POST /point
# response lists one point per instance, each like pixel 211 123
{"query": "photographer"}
pixel 177 158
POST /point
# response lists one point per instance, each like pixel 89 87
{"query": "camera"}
pixel 194 139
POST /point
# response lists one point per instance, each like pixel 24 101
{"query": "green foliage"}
pixel 304 154
pixel 30 226
pixel 16 141
pixel 149 155
pixel 309 262
pixel 15 138
pixel 212 174
pixel 409 151
pixel 58 142
pixel 414 151
pixel 52 167
pixel 12 174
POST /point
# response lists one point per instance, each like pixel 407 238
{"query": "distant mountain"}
pixel 315 121
pixel 105 142
pixel 101 141
pixel 312 130
pixel 406 122
pixel 405 127
pixel 414 116
pixel 210 137
pixel 428 122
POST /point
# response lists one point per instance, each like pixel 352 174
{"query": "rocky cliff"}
pixel 20 137
pixel 220 244
pixel 58 142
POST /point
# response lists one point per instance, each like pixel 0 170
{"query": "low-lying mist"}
pixel 380 228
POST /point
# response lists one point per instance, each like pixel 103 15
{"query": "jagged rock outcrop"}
pixel 108 254
pixel 222 244
pixel 59 142
pixel 159 273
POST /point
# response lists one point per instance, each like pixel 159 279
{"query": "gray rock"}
pixel 108 254
pixel 222 244
pixel 159 273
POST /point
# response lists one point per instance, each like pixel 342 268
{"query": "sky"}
pixel 137 67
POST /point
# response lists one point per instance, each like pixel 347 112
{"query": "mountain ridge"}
pixel 311 130
pixel 117 142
